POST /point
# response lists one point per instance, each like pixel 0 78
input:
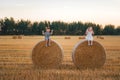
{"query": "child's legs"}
pixel 88 42
pixel 91 42
pixel 46 42
pixel 49 41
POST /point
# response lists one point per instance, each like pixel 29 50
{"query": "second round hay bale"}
pixel 85 56
pixel 47 57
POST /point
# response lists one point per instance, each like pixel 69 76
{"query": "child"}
pixel 47 36
pixel 89 37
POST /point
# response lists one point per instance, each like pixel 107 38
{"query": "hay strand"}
pixel 47 57
pixel 85 56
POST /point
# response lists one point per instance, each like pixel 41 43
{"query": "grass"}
pixel 16 62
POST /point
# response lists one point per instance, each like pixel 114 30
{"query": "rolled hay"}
pixel 47 57
pixel 85 56
pixel 67 37
pixel 81 37
pixel 20 37
pixel 101 37
pixel 14 37
pixel 98 36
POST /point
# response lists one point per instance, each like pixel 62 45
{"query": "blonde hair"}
pixel 88 30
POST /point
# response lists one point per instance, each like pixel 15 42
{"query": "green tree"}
pixel 41 27
pixel 117 30
pixel 22 26
pixel 9 26
pixel 109 30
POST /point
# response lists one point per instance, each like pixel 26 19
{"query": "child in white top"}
pixel 89 35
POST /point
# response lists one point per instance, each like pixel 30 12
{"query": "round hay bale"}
pixel 14 37
pixel 20 37
pixel 101 37
pixel 81 37
pixel 67 37
pixel 85 56
pixel 98 36
pixel 47 57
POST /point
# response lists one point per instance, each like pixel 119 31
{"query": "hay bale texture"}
pixel 85 56
pixel 47 57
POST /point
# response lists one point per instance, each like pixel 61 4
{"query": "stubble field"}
pixel 16 60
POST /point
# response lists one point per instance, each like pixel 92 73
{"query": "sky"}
pixel 96 11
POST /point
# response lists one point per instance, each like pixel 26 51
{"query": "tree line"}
pixel 8 26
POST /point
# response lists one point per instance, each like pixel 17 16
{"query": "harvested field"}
pixel 16 61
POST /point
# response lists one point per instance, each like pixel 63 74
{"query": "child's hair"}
pixel 47 27
pixel 89 28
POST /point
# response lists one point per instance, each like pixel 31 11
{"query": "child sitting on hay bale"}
pixel 47 35
pixel 89 37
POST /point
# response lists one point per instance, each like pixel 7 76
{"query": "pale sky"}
pixel 96 11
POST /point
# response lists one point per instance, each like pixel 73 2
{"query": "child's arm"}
pixel 86 32
pixel 51 32
pixel 43 32
pixel 92 32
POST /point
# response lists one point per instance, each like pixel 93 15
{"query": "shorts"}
pixel 46 38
